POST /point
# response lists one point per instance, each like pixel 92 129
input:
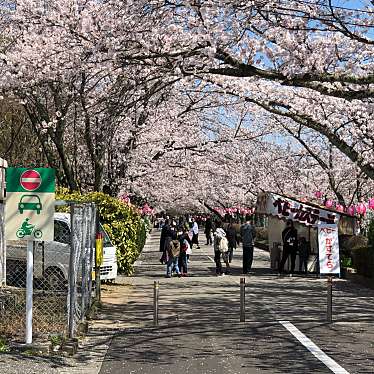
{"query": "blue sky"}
pixel 353 4
pixel 357 4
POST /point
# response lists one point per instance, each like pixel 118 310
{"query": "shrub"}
pixel 371 235
pixel 345 261
pixel 348 243
pixel 371 248
pixel 4 347
pixel 363 256
pixel 122 222
pixel 352 248
pixel 363 262
pixel 147 223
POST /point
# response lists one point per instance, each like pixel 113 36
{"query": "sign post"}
pixel 329 300
pixel 328 244
pixel 29 290
pixel 99 257
pixel 329 262
pixel 242 299
pixel 29 209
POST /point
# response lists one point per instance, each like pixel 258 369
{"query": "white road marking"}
pixel 317 352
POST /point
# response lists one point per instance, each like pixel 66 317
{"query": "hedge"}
pixel 363 254
pixel 123 223
pixel 371 249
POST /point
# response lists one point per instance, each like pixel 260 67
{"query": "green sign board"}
pixel 29 204
pixel 26 180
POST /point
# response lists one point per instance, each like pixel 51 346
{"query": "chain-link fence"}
pixel 83 231
pixel 62 277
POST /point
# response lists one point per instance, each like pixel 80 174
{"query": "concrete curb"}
pixel 41 348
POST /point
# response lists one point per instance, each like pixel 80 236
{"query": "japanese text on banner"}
pixel 328 243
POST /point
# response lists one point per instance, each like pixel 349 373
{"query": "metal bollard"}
pixel 155 302
pixel 242 299
pixel 329 300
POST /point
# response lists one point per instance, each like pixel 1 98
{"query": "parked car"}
pixel 52 258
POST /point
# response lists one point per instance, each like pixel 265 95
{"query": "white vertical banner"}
pixel 328 243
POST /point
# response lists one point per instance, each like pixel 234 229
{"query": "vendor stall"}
pixel 306 217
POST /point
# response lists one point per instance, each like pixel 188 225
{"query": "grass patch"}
pixel 4 347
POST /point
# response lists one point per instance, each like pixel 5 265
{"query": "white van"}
pixel 108 270
pixel 51 258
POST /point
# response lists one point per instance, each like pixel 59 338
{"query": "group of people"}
pixel 292 246
pixel 225 241
pixel 178 236
pixel 177 240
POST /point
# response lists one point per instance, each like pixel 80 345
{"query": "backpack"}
pixel 174 248
pixel 223 245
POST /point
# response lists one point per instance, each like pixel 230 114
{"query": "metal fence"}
pixel 83 223
pixel 62 278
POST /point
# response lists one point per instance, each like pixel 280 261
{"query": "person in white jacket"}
pixel 195 234
pixel 220 249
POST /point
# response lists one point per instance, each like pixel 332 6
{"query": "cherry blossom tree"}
pixel 188 101
pixel 75 96
pixel 310 63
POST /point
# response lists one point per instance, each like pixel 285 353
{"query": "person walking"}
pixel 165 231
pixel 172 257
pixel 248 234
pixel 289 237
pixel 168 233
pixel 220 246
pixel 185 245
pixel 208 231
pixel 161 223
pixel 195 234
pixel 231 238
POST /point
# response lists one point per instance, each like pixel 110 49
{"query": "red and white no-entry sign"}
pixel 30 180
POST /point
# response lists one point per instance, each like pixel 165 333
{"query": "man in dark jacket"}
pixel 208 231
pixel 289 237
pixel 304 250
pixel 231 238
pixel 248 234
pixel 167 234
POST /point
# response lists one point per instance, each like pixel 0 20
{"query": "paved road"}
pixel 200 331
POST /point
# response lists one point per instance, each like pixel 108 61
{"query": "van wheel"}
pixel 55 279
